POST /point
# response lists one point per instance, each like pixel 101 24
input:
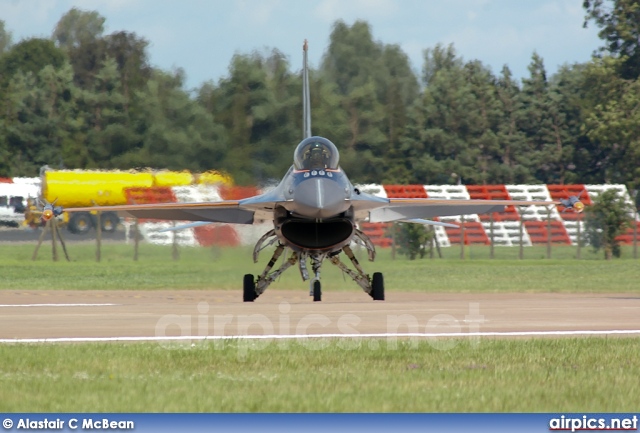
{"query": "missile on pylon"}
pixel 49 210
pixel 572 203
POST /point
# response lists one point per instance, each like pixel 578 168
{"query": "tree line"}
pixel 83 99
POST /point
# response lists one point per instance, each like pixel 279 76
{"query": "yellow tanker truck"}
pixel 82 188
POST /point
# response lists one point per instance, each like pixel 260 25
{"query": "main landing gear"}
pixel 252 288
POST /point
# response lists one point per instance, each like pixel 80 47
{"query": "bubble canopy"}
pixel 316 153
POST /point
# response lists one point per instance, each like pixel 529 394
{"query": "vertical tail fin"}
pixel 306 104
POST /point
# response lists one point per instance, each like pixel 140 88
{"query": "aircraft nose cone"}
pixel 320 198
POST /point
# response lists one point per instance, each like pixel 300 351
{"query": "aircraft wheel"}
pixel 377 287
pixel 317 291
pixel 249 289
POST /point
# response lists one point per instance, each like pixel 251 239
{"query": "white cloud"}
pixel 256 12
pixel 331 10
pixel 28 19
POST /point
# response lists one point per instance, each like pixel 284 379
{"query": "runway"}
pixel 182 314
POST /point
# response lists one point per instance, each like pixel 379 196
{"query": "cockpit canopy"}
pixel 316 153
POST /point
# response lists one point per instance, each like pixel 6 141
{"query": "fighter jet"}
pixel 315 211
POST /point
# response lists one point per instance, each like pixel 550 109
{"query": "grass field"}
pixel 536 375
pixel 557 375
pixel 206 268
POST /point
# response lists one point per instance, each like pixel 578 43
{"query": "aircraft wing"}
pixel 227 211
pixel 260 208
pixel 411 208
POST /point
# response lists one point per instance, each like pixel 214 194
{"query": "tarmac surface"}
pixel 8 234
pixel 149 315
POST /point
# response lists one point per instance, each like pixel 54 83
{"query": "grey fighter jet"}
pixel 315 210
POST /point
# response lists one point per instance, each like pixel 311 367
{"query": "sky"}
pixel 201 36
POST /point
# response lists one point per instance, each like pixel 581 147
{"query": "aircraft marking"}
pixel 56 305
pixel 318 336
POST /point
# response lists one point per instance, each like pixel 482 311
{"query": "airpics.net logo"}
pixel 591 423
pixel 315 331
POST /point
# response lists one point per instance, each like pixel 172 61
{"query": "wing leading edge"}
pixel 415 208
pixel 227 211
pixel 376 209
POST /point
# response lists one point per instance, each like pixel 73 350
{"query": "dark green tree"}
pixel 438 141
pixel 619 23
pixel 606 219
pixel 40 119
pixel 29 55
pixel 567 95
pixel 130 53
pixel 77 27
pixel 259 108
pixel 511 139
pixel 175 131
pixel 550 146
pixel 106 127
pixel 412 239
pixel 6 38
pixel 375 85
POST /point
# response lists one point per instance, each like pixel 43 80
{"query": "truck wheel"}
pixel 80 223
pixel 110 222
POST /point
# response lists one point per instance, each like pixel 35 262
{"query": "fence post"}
pixel 635 223
pixel 54 249
pixel 521 235
pixel 136 239
pixel 98 235
pixel 432 241
pixel 462 237
pixel 548 232
pixel 174 247
pixel 491 252
pixel 635 232
pixel 393 240
pixel 578 236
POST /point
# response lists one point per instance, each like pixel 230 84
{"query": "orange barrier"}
pixel 237 192
pixel 154 194
pixel 474 233
pixel 377 232
pixel 493 192
pixel 539 233
pixel 405 191
pixel 627 237
pixel 222 235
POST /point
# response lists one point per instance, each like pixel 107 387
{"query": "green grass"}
pixel 207 268
pixel 497 375
pixel 547 375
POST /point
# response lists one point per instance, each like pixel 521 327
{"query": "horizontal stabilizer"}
pixel 429 223
pixel 186 226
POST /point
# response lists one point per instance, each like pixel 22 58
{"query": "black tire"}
pixel 249 289
pixel 80 223
pixel 109 222
pixel 377 287
pixel 317 291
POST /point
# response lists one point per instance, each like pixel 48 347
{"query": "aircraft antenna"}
pixel 306 103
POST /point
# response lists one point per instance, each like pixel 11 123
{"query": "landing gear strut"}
pixel 373 286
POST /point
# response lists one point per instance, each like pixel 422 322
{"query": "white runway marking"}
pixel 56 305
pixel 316 336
